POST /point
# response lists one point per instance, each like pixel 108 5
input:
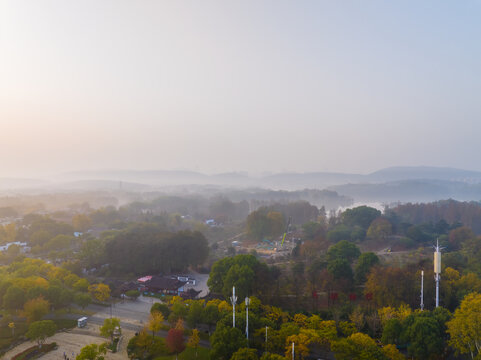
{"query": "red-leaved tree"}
pixel 175 341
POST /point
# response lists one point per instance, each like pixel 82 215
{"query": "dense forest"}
pixel 451 211
pixel 144 250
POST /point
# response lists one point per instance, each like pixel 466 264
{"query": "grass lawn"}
pixel 21 328
pixel 163 297
pixel 35 351
pixel 73 310
pixel 65 323
pixel 188 354
pixel 6 338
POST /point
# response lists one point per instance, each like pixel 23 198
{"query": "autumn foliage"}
pixel 175 341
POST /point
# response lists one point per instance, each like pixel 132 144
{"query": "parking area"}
pixel 200 283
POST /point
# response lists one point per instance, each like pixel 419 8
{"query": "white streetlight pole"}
pixel 248 301
pixel 422 290
pixel 266 339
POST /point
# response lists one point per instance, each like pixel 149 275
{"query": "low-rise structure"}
pixel 162 285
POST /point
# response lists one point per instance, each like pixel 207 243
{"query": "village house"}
pixel 161 285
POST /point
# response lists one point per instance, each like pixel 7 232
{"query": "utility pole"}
pixel 293 353
pixel 248 301
pixel 233 300
pixel 422 290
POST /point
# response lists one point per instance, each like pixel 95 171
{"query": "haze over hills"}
pixel 410 191
pixel 285 180
pixel 386 185
pixel 21 183
pixel 424 172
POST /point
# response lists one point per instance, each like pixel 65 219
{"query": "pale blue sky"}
pixel 215 86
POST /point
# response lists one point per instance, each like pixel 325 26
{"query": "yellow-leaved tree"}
pixel 465 326
pixel 356 346
pixel 193 341
pixel 100 292
pixel 35 309
pixel 301 345
pixel 180 324
pixel 392 353
pixel 156 320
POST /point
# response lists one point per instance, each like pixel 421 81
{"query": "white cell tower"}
pixel 437 269
pixel 233 300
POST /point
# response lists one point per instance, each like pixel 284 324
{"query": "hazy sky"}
pixel 216 86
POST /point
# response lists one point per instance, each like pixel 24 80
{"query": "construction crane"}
pixel 287 230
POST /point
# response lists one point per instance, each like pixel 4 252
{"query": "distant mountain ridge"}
pixel 420 183
pixel 287 179
pixel 424 172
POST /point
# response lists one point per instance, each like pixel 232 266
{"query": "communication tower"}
pixel 233 300
pixel 437 269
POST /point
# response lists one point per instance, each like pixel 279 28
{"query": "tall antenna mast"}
pixel 233 300
pixel 437 269
pixel 422 290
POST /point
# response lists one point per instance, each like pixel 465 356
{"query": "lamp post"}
pixel 422 290
pixel 266 339
pixel 233 300
pixel 248 301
